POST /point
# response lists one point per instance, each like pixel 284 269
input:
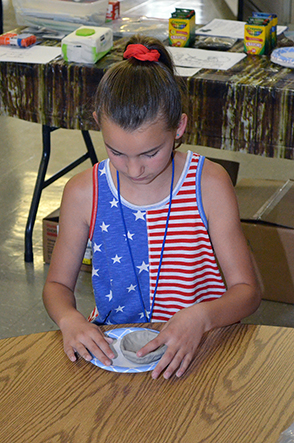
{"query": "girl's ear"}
pixel 182 126
pixel 95 117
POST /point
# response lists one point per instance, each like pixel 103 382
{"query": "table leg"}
pixel 41 183
pixel 1 17
pixel 240 10
pixel 90 147
pixel 46 131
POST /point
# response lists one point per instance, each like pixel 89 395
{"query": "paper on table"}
pixel 228 28
pixel 204 59
pixel 186 72
pixel 34 54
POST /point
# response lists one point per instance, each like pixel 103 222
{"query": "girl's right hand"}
pixel 81 337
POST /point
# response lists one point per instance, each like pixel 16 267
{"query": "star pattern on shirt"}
pixel 116 259
pixel 130 236
pixel 97 248
pixel 139 215
pixel 117 291
pixel 143 267
pixel 144 314
pixel 114 203
pixel 109 296
pixel 131 288
pixel 104 227
pixel 95 272
pixel 103 171
pixel 120 309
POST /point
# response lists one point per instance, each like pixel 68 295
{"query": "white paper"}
pixel 186 72
pixel 34 54
pixel 228 28
pixel 204 59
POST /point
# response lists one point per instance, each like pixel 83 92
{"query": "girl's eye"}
pixel 152 155
pixel 116 153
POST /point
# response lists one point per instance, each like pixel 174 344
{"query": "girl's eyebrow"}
pixel 142 153
pixel 151 150
pixel 110 147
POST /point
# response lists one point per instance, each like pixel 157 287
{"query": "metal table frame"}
pixel 1 17
pixel 42 183
pixel 240 10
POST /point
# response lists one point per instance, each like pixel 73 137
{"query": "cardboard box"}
pixel 50 232
pixel 267 216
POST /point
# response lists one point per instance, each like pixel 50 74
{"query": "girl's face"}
pixel 143 155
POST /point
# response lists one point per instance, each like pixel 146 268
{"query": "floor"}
pixel 21 284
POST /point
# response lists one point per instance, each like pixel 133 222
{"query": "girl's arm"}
pixel 78 334
pixel 183 332
pixel 220 204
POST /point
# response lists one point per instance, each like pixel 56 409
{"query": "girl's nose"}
pixel 135 168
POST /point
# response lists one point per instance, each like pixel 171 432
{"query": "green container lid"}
pixel 85 32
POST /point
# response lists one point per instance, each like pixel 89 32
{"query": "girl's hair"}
pixel 133 92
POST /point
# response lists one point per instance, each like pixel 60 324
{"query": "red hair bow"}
pixel 140 52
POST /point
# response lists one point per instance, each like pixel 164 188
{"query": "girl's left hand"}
pixel 182 335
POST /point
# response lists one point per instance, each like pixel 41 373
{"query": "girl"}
pixel 157 218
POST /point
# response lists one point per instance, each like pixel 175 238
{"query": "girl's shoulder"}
pixel 216 187
pixel 80 183
pixel 214 173
pixel 78 193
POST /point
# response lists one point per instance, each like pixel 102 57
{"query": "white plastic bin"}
pixel 60 15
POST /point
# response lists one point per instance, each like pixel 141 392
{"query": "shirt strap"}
pixel 95 200
pixel 199 192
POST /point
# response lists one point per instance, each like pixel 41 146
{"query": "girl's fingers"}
pixel 102 351
pixel 150 346
pixel 184 365
pixel 163 363
pixel 171 363
pixel 102 344
pixel 83 352
pixel 71 353
pixel 96 345
pixel 108 339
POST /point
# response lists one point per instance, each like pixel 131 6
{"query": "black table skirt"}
pixel 248 108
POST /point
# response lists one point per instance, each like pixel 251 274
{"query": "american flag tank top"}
pixel 189 273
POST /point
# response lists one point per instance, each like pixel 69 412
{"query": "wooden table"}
pixel 239 389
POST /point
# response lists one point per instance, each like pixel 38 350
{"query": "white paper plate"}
pixel 120 363
pixel 283 56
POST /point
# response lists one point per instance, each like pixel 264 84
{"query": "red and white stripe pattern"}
pixel 189 272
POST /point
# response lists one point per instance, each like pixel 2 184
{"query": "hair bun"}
pixel 140 52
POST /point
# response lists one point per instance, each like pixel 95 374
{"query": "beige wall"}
pixel 233 5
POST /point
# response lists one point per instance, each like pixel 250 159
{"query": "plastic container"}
pixel 87 44
pixel 60 15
